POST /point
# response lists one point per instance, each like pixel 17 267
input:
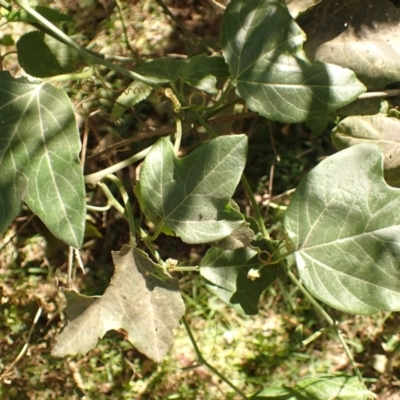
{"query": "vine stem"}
pixel 91 57
pixel 96 177
pixel 127 206
pixel 132 227
pixel 328 318
pixel 254 204
pixel 202 361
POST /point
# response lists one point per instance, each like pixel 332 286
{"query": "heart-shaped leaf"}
pixel 227 272
pixel 42 55
pixel 344 223
pixel 39 150
pixel 262 46
pixel 192 195
pixel 141 299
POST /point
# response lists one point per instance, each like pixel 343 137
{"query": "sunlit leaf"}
pixel 262 46
pixel 345 229
pixel 39 147
pixel 192 195
pixel 141 299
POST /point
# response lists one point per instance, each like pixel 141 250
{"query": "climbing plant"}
pixel 342 232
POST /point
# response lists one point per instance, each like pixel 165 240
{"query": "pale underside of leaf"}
pixel 356 34
pixel 346 232
pixel 141 299
pixel 376 129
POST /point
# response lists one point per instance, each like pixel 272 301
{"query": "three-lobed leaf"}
pixel 191 195
pixel 140 299
pixel 39 147
pixel 345 229
pixel 262 46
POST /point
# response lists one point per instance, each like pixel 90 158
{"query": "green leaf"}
pixel 321 387
pixel 359 35
pixel 50 14
pixel 227 274
pixel 141 299
pixel 262 46
pixel 39 150
pixel 202 72
pixel 192 195
pixel 162 70
pixel 344 224
pixel 133 94
pixel 42 55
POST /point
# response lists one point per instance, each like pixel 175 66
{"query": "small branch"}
pixel 91 57
pixel 383 93
pixel 254 204
pixel 202 361
pixel 328 318
pixel 25 347
pixel 95 178
pixel 128 210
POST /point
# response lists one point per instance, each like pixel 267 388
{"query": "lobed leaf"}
pixel 140 299
pixel 192 195
pixel 345 229
pixel 39 146
pixel 262 46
